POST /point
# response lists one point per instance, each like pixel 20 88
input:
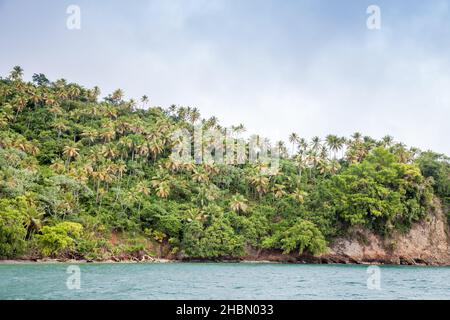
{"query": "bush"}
pixel 437 167
pixel 380 193
pixel 12 227
pixel 302 235
pixel 217 240
pixel 61 238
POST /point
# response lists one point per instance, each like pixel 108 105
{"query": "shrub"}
pixel 12 227
pixel 217 240
pixel 302 235
pixel 60 238
pixel 380 193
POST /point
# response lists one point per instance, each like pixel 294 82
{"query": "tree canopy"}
pixel 77 171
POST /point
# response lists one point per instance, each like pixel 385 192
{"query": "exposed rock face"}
pixel 428 242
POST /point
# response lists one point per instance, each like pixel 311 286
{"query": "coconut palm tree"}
pixel 90 135
pixel 334 166
pixel 117 96
pixel 298 195
pixel 60 126
pixel 387 141
pixel 74 91
pixel 161 183
pixel 94 94
pixel 206 193
pixel 294 139
pixel 109 152
pixel 200 175
pixel 3 120
pixel 194 116
pixel 70 152
pixel 240 128
pixel 238 203
pixel 334 143
pixel 20 103
pixel 278 191
pixel 357 137
pixel 260 183
pixel 57 166
pixel 16 74
pixel 315 143
pixel 156 147
pixel 144 101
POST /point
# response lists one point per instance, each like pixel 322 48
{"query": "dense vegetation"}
pixel 77 173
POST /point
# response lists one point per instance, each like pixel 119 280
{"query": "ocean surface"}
pixel 221 281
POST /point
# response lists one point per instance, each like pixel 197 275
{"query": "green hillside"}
pixel 77 171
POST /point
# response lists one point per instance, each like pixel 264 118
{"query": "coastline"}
pixel 231 261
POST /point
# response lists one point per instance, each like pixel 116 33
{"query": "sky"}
pixel 310 67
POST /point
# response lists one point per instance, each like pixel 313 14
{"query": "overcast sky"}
pixel 312 67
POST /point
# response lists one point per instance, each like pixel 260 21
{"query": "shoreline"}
pixel 164 261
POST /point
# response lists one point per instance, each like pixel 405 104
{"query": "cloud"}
pixel 307 67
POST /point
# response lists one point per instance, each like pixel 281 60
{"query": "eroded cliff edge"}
pixel 427 242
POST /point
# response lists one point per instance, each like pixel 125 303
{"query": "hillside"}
pixel 90 178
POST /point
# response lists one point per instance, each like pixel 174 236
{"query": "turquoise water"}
pixel 222 281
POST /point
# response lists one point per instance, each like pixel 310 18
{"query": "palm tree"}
pixel 200 176
pixel 121 168
pixel 57 166
pixel 117 96
pixel 108 135
pixel 334 166
pixel 94 93
pixel 278 191
pixel 70 152
pixel 156 146
pixel 240 128
pixel 323 166
pixel 315 143
pixel 19 102
pixel 293 138
pixel 238 203
pixel 300 162
pixel 109 152
pixel 206 194
pixel 194 116
pixel 212 122
pixel 402 152
pixel 282 148
pixel 144 101
pixel 299 195
pixel 387 141
pixel 16 74
pixel 161 184
pixel 260 183
pixel 357 136
pixel 3 120
pixel 56 110
pixel 74 91
pixel 142 188
pixel 173 165
pixel 90 135
pixel 332 141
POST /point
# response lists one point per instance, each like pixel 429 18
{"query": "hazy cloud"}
pixel 306 66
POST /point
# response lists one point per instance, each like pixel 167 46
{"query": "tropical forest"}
pixel 90 176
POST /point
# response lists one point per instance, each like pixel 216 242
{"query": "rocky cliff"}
pixel 427 242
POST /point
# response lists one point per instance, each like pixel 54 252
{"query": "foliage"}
pixel 62 237
pixel 301 235
pixel 12 227
pixel 437 167
pixel 216 240
pixel 380 192
pixel 75 170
